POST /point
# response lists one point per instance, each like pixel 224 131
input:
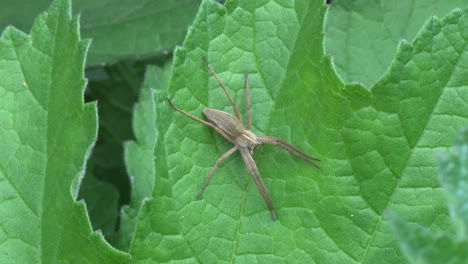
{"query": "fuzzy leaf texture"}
pixel 420 244
pixel 362 36
pixel 139 156
pixel 377 147
pixel 46 135
pixel 119 30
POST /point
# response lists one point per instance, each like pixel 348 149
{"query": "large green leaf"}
pixel 21 13
pixel 139 154
pixel 362 35
pixel 376 146
pixel 119 29
pixel 420 244
pixel 135 29
pixel 46 135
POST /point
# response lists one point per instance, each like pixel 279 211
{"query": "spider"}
pixel 232 129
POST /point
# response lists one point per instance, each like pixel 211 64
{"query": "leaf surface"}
pixel 101 200
pixel 139 154
pixel 363 36
pixel 377 147
pixel 423 245
pixel 46 136
pixel 119 30
pixel 130 29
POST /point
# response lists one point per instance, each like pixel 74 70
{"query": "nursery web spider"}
pixel 232 129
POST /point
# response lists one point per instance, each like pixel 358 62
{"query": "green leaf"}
pixel 46 135
pixel 116 89
pixel 21 13
pixel 102 203
pixel 362 35
pixel 119 30
pixel 454 179
pixel 132 29
pixel 420 244
pixel 139 155
pixel 376 146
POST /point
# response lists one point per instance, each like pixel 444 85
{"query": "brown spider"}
pixel 232 129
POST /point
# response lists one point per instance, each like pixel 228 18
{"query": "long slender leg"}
pixel 213 170
pixel 236 109
pixel 247 93
pixel 250 163
pixel 221 132
pixel 293 150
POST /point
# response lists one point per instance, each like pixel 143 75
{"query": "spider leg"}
pixel 215 167
pixel 221 132
pixel 247 94
pixel 250 163
pixel 293 150
pixel 236 109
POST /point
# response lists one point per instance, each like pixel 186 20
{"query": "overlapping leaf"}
pixel 376 147
pixel 120 30
pixel 422 245
pixel 363 36
pixel 46 134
